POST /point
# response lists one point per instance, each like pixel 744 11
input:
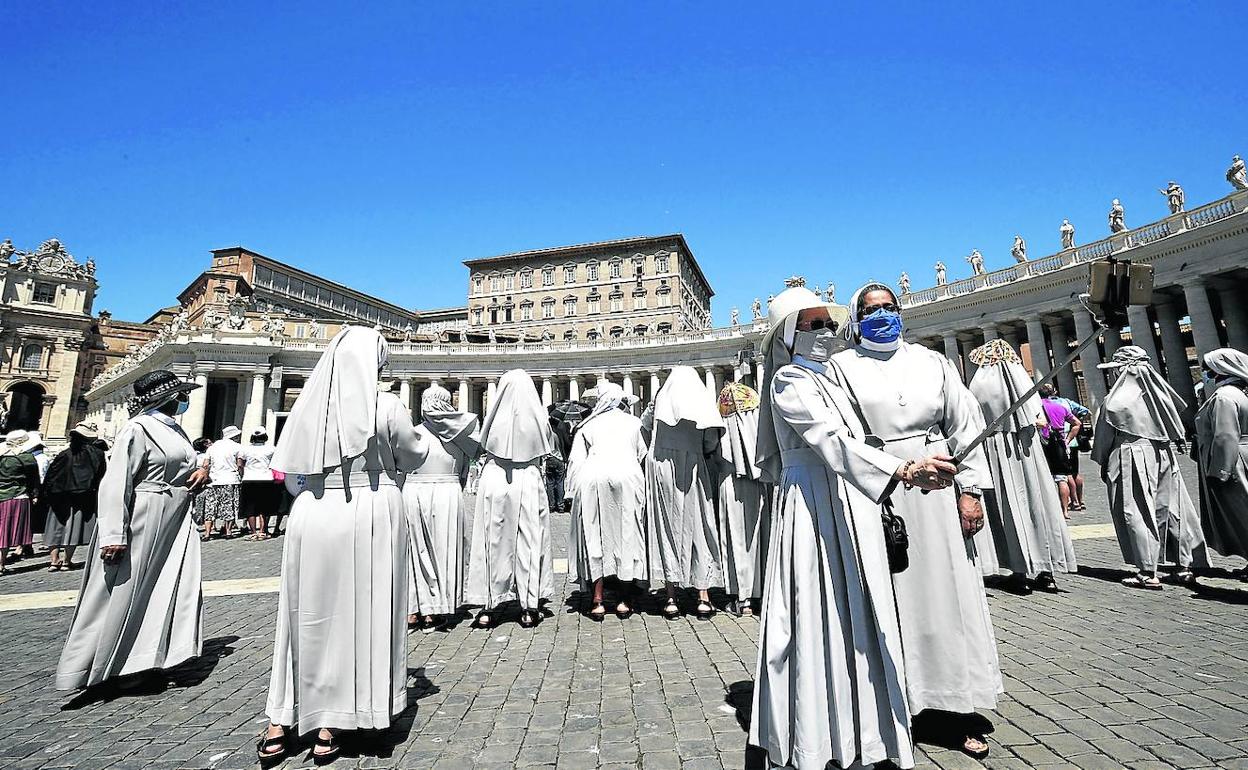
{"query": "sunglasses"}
pixel 822 323
pixel 869 309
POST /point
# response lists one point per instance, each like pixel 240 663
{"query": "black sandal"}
pixel 269 750
pixel 623 613
pixel 704 610
pixel 528 619
pixel 671 610
pixel 479 622
pixel 597 612
pixel 331 746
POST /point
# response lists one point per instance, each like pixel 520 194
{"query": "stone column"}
pixel 463 396
pixel 1092 377
pixel 1010 335
pixel 1235 317
pixel 654 386
pixel 1142 333
pixel 968 342
pixel 758 376
pixel 405 393
pixel 1113 340
pixel 272 403
pixel 192 419
pixel 574 388
pixel 628 388
pixel 952 352
pixel 253 417
pixel 990 332
pixel 718 379
pixel 1038 348
pixel 490 390
pixel 1066 382
pixel 708 374
pixel 1204 328
pixel 548 392
pixel 1178 373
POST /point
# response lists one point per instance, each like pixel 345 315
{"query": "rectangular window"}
pixel 476 316
pixel 591 271
pixel 569 307
pixel 595 305
pixel 509 281
pixel 548 276
pixel 477 284
pixel 569 274
pixel 617 303
pixel 45 293
pixel 496 283
pixel 526 312
pixel 615 269
pixel 548 310
pixel 526 280
pixel 660 264
pixel 665 299
pixel 639 302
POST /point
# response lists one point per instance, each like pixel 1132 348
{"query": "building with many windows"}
pixel 632 287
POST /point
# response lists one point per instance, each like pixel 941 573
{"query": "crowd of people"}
pixel 846 501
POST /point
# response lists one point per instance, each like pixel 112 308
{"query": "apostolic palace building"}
pixel 250 328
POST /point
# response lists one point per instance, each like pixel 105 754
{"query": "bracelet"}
pixel 905 473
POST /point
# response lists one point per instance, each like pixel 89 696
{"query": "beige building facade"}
pixel 630 287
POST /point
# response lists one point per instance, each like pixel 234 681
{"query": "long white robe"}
pixel 830 681
pixel 510 556
pixel 915 402
pixel 434 500
pixel 1222 445
pixel 682 538
pixel 608 490
pixel 144 611
pixel 743 508
pixel 340 656
pixel 1026 531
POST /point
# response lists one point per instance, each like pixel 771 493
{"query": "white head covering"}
pixel 1000 380
pixel 1141 402
pixel 777 351
pixel 684 396
pixel 517 428
pixel 15 442
pixel 335 416
pixel 851 329
pixel 1228 362
pixel 610 397
pixel 437 412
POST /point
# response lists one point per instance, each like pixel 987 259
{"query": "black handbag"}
pixel 896 538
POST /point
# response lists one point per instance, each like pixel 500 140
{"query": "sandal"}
pixel 671 610
pixel 65 567
pixel 1045 582
pixel 483 620
pixel 704 610
pixel 528 619
pixel 330 746
pixel 53 567
pixel 270 749
pixel 622 610
pixel 597 612
pixel 431 623
pixel 1183 577
pixel 1139 581
pixel 975 746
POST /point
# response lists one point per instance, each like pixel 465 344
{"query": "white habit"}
pixel 1222 444
pixel 743 506
pixel 144 611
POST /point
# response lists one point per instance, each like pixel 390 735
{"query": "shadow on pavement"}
pixel 381 743
pixel 189 674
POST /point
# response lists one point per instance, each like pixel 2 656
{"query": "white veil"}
pixel 517 428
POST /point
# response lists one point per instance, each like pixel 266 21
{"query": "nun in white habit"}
pixel 434 499
pixel 830 684
pixel 608 490
pixel 1026 532
pixel 743 507
pixel 510 556
pixel 1222 451
pixel 1137 429
pixel 913 402
pixel 340 656
pixel 681 531
pixel 141 602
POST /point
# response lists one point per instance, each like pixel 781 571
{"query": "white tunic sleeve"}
pixel 798 401
pixel 580 451
pixel 126 467
pixel 410 447
pixel 1223 451
pixel 963 420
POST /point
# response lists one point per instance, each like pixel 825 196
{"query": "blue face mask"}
pixel 182 407
pixel 882 326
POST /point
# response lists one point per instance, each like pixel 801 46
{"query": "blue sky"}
pixel 381 144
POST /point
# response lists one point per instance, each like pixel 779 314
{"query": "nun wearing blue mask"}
pixel 914 405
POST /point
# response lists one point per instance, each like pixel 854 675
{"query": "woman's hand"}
pixel 111 554
pixel 971 513
pixel 935 472
pixel 197 479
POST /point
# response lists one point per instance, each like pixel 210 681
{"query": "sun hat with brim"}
pixel 84 429
pixel 155 388
pixel 230 432
pixel 14 442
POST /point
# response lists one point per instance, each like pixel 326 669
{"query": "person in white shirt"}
pixel 225 466
pixel 260 494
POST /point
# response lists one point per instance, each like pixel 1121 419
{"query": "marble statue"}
pixel 829 296
pixel 90 266
pixel 493 337
pixel 794 280
pixel 6 250
pixel 940 274
pixel 977 262
pixel 904 282
pixel 547 336
pixel 212 318
pixel 1019 250
pixel 1068 234
pixel 1174 196
pixel 1117 217
pixel 408 332
pixel 735 318
pixel 314 329
pixel 756 310
pixel 1237 174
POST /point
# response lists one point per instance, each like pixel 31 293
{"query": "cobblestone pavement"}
pixel 1098 676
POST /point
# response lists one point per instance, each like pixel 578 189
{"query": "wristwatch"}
pixel 973 491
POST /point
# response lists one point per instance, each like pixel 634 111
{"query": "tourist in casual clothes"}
pixel 1026 533
pixel 260 494
pixel 743 507
pixel 141 603
pixel 19 485
pixel 434 498
pixel 608 490
pixel 340 653
pixel 915 405
pixel 510 556
pixel 830 684
pixel 1137 429
pixel 225 468
pixel 39 505
pixel 1060 428
pixel 684 430
pixel 70 490
pixel 1075 444
pixel 200 445
pixel 1222 451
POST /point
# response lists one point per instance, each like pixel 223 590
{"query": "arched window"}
pixel 32 356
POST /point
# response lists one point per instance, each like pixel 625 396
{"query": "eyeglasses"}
pixel 869 309
pixel 822 323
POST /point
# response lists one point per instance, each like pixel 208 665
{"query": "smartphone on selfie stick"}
pixel 1113 286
